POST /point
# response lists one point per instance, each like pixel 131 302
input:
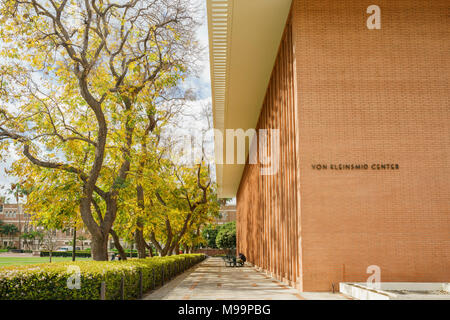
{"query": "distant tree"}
pixel 18 190
pixel 39 236
pixel 226 237
pixel 1 233
pixel 82 239
pixel 9 230
pixel 209 234
pixel 49 242
pixel 182 204
pixel 28 238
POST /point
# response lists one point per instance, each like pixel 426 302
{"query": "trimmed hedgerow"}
pixel 49 281
pixel 78 253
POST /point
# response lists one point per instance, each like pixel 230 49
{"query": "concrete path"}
pixel 16 255
pixel 212 280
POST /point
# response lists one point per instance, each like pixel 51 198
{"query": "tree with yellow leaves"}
pixel 74 75
pixel 185 201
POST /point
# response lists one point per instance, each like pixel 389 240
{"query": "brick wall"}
pixel 267 216
pixel 362 97
pixel 374 96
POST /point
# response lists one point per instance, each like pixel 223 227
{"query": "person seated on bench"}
pixel 242 259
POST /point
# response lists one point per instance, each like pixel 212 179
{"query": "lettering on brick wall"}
pixel 356 166
pixel 374 20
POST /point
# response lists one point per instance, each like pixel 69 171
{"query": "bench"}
pixel 232 261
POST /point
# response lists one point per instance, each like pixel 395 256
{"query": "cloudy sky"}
pixel 200 84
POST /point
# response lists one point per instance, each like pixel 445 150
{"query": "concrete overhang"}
pixel 244 37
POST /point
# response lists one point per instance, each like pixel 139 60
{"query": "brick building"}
pixel 363 115
pixel 14 214
pixel 227 213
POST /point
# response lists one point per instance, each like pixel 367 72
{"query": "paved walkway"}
pixel 16 255
pixel 211 280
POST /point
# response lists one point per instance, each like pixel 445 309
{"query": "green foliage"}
pixel 8 229
pixel 49 281
pixel 226 237
pixel 78 253
pixel 27 236
pixel 134 253
pixel 209 233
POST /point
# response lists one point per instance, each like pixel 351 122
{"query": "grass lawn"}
pixel 7 261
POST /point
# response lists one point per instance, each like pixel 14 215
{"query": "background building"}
pixel 227 213
pixel 343 97
pixel 15 215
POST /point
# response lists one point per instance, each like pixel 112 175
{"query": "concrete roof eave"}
pixel 244 37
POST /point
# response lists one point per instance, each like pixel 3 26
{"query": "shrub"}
pixel 226 237
pixel 134 253
pixel 67 254
pixel 49 281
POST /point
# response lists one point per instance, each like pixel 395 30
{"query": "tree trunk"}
pixel 150 249
pixel 117 244
pixel 139 234
pixel 99 246
pixel 160 250
pixel 99 232
pixel 140 242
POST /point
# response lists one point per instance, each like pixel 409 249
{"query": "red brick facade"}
pixel 14 214
pixel 227 213
pixel 362 97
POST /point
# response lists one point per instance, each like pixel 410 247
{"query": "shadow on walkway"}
pixel 212 280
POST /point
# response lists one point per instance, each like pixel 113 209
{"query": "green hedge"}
pixel 49 281
pixel 78 253
pixel 127 253
pixel 134 252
